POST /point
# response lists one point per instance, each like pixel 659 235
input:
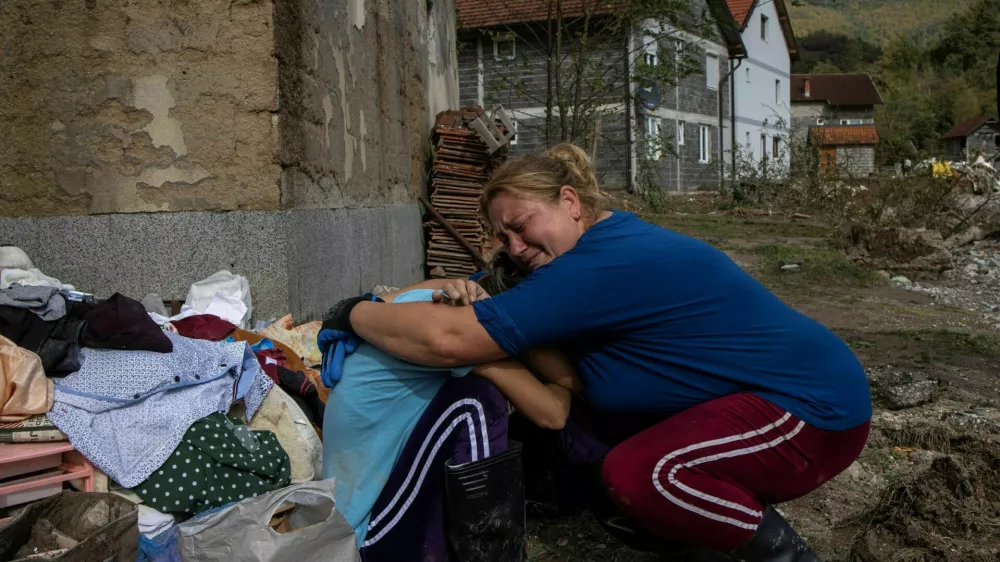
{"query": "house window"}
pixel 763 145
pixel 513 139
pixel 820 122
pixel 764 31
pixel 747 143
pixel 504 47
pixel 748 74
pixel 680 133
pixel 712 71
pixel 704 145
pixel 654 150
pixel 649 58
pixel 775 146
pixel 777 91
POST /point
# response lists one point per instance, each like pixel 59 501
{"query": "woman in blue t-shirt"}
pixel 750 403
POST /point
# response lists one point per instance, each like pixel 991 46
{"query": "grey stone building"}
pixel 670 138
pixel 835 114
pixel 150 144
pixel 978 136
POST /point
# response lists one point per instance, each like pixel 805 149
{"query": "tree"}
pixel 849 54
pixel 823 67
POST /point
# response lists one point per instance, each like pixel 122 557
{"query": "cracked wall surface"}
pixel 137 106
pixel 150 143
pixel 354 81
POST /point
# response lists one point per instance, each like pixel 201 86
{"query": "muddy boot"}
pixel 775 541
pixel 484 509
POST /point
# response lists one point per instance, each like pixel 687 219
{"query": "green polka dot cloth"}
pixel 218 462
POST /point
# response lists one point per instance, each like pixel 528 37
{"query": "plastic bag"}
pixel 73 527
pixel 225 295
pixel 313 531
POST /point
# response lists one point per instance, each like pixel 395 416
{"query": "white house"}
pixel 760 87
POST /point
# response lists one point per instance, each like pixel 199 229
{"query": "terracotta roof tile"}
pixel 836 89
pixel 967 127
pixel 474 14
pixel 844 135
pixel 740 10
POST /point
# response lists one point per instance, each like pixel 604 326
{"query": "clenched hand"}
pixel 460 292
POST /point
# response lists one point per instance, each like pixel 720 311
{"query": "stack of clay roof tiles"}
pixel 461 167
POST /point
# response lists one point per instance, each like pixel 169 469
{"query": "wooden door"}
pixel 828 159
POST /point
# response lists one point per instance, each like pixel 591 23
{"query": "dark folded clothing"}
pixel 57 343
pixel 119 323
pixel 301 388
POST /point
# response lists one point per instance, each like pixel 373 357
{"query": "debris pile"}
pixel 980 175
pixel 462 165
pixel 943 510
pixel 973 284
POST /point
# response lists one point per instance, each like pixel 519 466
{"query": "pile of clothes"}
pixel 182 414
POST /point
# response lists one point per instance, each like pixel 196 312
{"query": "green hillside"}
pixel 934 61
pixel 876 21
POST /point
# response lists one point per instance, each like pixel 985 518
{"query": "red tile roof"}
pixel 475 14
pixel 836 89
pixel 480 14
pixel 740 9
pixel 843 135
pixel 969 126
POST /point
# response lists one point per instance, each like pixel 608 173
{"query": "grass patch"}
pixel 858 343
pixel 731 227
pixel 819 266
pixel 985 345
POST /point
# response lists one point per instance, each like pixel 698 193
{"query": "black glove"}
pixel 339 316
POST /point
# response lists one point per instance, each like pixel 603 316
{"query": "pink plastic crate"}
pixel 59 461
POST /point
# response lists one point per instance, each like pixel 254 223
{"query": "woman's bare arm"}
pixel 545 404
pixel 555 367
pixel 428 334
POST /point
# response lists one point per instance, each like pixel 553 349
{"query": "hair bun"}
pixel 578 164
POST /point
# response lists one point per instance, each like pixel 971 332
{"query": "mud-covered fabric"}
pixel 218 462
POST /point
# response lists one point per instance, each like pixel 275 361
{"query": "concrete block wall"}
pixel 856 161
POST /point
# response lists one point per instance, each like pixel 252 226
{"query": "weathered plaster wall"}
pixel 130 106
pixel 289 138
pixel 353 93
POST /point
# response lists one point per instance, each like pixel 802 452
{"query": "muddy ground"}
pixel 927 488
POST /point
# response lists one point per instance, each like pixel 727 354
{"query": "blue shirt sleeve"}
pixel 567 299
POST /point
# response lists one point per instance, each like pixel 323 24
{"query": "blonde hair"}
pixel 541 176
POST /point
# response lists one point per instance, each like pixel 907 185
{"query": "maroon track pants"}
pixel 703 476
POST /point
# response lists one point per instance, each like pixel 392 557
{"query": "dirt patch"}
pixel 945 512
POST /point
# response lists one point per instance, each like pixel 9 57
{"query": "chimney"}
pixel 807 89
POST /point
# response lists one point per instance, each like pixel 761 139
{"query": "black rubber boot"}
pixel 485 508
pixel 775 541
